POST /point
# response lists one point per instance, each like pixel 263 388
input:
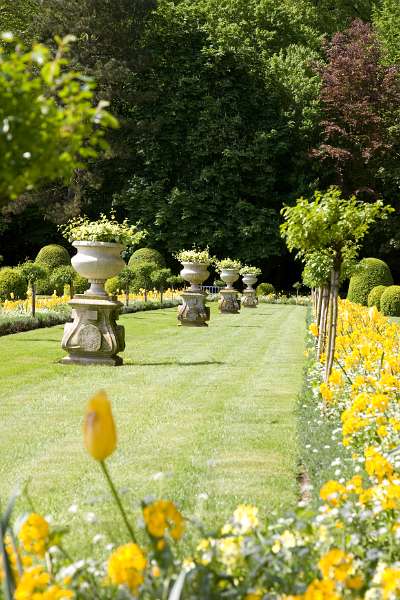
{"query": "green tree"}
pixel 386 19
pixel 160 279
pixel 125 281
pixel 49 125
pixel 62 276
pixel 334 226
pixel 142 277
pixel 32 272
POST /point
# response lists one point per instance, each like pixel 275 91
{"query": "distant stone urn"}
pixel 249 298
pixel 229 276
pixel 195 274
pixel 193 312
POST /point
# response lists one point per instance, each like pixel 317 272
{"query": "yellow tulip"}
pixel 99 427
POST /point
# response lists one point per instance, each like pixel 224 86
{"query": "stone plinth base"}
pixel 93 338
pixel 229 302
pixel 193 312
pixel 249 299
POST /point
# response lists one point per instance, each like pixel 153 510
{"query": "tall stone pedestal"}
pixel 249 299
pixel 193 312
pixel 93 338
pixel 229 302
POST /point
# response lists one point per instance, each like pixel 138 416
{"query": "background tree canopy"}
pixel 220 103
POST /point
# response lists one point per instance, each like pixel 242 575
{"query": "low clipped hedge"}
pixel 370 273
pixel 374 297
pixel 264 289
pixel 390 301
pixel 12 323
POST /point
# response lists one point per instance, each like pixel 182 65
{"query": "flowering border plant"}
pixel 103 230
pixel 228 263
pixel 250 271
pixel 195 256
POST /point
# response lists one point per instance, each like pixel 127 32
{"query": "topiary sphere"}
pixel 147 255
pixel 53 256
pixel 12 284
pixel 371 272
pixel 390 301
pixel 263 289
pixel 374 297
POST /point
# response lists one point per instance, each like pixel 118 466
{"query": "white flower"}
pixel 90 517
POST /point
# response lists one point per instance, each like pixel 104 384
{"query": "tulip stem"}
pixel 117 499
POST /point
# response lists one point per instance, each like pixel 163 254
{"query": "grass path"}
pixel 211 409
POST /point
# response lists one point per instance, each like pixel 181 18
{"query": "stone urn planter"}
pixel 229 302
pixel 97 262
pixel 193 312
pixel 249 298
pixel 94 337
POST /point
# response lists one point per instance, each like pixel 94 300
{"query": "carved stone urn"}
pixel 193 312
pixel 93 336
pixel 249 298
pixel 229 302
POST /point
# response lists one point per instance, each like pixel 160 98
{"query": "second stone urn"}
pixel 249 298
pixel 193 312
pixel 229 302
pixel 93 336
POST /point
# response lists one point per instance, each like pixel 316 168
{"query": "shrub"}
pixel 147 255
pixel 390 301
pixel 12 284
pixel 370 273
pixel 53 256
pixel 81 284
pixel 263 289
pixel 112 286
pixel 374 297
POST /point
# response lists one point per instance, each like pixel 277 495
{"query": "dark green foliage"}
pixel 263 289
pixel 374 297
pixel 370 273
pixel 390 301
pixel 12 284
pixel 387 22
pixel 147 255
pixel 17 15
pixel 53 256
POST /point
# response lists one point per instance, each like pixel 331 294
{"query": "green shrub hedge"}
pixel 112 286
pixel 374 297
pixel 263 289
pixel 390 301
pixel 51 257
pixel 12 284
pixel 370 273
pixel 147 255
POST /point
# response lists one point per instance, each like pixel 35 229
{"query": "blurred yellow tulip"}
pixel 99 427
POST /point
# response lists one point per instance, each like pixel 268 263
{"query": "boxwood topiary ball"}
pixel 374 297
pixel 390 301
pixel 371 272
pixel 53 256
pixel 263 289
pixel 147 255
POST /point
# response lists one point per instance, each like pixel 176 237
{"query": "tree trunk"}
pixel 323 320
pixel 330 355
pixel 33 298
pixel 145 295
pixel 126 298
pixel 161 295
pixel 319 305
pixel 71 290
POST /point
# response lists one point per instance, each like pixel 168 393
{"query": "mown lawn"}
pixel 208 410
